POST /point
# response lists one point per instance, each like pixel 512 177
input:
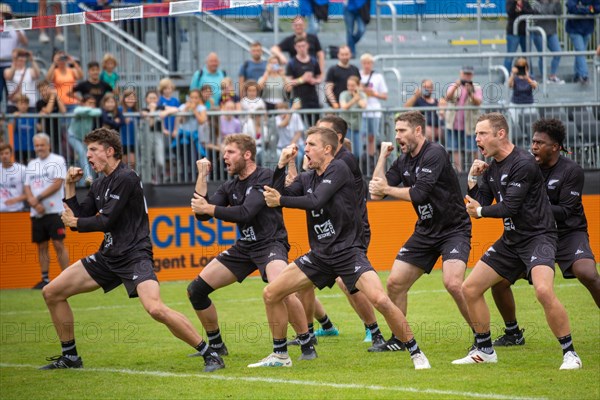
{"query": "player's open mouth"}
pixel 307 157
pixel 481 149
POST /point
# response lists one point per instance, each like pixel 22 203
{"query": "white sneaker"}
pixel 273 360
pixel 555 79
pixel 44 38
pixel 420 361
pixel 571 361
pixel 59 37
pixel 477 357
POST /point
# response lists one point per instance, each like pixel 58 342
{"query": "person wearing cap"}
pixel 460 123
pixel 9 40
pixel 564 180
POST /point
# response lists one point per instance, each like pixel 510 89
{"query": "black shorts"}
pixel 349 266
pixel 130 273
pixel 423 252
pixel 572 247
pixel 242 262
pixel 514 262
pixel 47 227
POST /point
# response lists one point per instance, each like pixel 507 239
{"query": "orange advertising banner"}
pixel 182 245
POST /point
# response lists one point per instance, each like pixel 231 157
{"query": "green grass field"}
pixel 128 355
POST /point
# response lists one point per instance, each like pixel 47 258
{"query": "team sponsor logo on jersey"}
pixel 327 181
pixel 234 196
pixel 305 260
pixel 248 234
pixel 406 173
pixel 490 250
pixel 106 194
pixel 516 184
pixel 454 251
pixel 491 179
pixel 425 211
pixel 426 170
pixel 503 179
pixel 108 240
pixel 552 183
pixel 248 190
pixel 533 258
pixel 578 252
pixel 573 193
pixel 225 253
pixel 114 196
pixel 271 254
pixel 357 268
pixel 403 250
pixel 134 277
pixel 309 190
pixel 324 230
pixel 316 214
pixel 508 224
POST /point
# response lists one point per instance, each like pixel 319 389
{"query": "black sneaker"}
pixel 308 353
pixel 220 350
pixel 377 341
pixel 62 362
pixel 296 342
pixel 40 285
pixel 213 362
pixel 391 345
pixel 505 340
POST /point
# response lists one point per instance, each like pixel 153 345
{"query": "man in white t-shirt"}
pixel 375 88
pixel 12 178
pixel 9 40
pixel 44 181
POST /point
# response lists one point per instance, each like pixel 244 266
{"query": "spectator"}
pixel 548 7
pixel 64 73
pixel 356 17
pixel 12 179
pixel 24 129
pixel 20 79
pixel 273 84
pixel 49 103
pixel 207 98
pixel 129 129
pixel 254 124
pixel 460 124
pixel 354 99
pixel 253 69
pixel 112 117
pixel 523 86
pixel 166 99
pixel 44 182
pixel 337 77
pixel 514 9
pixel 229 124
pixel 56 8
pixel 9 40
pixel 108 74
pixel 288 44
pixel 375 88
pixel 228 93
pixel 158 134
pixel 314 11
pixel 290 130
pixel 81 124
pixel 189 142
pixel 580 31
pixel 304 74
pixel 211 75
pixel 424 97
pixel 93 85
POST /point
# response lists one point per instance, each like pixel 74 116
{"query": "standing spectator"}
pixel 523 86
pixel 354 18
pixel 9 40
pixel 211 75
pixel 49 103
pixel 548 7
pixel 288 44
pixel 229 124
pixel 44 189
pixel 580 31
pixel 290 129
pixel 337 77
pixel 314 11
pixel 253 69
pixel 108 74
pixel 20 79
pixel 112 117
pixel 12 179
pixel 254 124
pixel 460 124
pixel 166 99
pixel 64 73
pixel 273 84
pixel 514 9
pixel 189 142
pixel 129 129
pixel 375 88
pixel 81 124
pixel 304 74
pixel 56 8
pixel 354 99
pixel 228 93
pixel 424 97
pixel 93 85
pixel 24 129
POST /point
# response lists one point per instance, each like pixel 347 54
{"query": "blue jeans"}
pixel 2 83
pixel 351 19
pixel 313 25
pixel 512 43
pixel 553 45
pixel 81 151
pixel 357 143
pixel 580 43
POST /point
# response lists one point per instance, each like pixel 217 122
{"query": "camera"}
pixel 63 58
pixel 521 70
pixel 465 82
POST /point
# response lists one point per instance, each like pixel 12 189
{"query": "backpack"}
pixel 196 81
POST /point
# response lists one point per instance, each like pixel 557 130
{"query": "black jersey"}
pixel 434 191
pixel 331 208
pixel 115 205
pixel 360 186
pixel 242 202
pixel 564 184
pixel 517 186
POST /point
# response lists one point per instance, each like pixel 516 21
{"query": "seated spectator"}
pixel 81 124
pixel 129 130
pixel 49 103
pixel 92 85
pixel 254 124
pixel 253 69
pixel 166 99
pixel 354 98
pixel 290 130
pixel 273 84
pixel 24 129
pixel 424 97
pixel 108 74
pixel 112 117
pixel 523 86
pixel 64 72
pixel 189 142
pixel 228 124
pixel 228 93
pixel 20 79
pixel 211 75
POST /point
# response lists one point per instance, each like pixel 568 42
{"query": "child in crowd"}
pixel 354 98
pixel 228 93
pixel 253 126
pixel 108 74
pixel 290 129
pixel 129 128
pixel 155 127
pixel 189 141
pixel 24 129
pixel 166 99
pixel 206 94
pixel 81 124
pixel 111 118
pixel 228 124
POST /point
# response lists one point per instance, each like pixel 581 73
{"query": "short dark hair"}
pixel 497 121
pixel 339 124
pixel 4 146
pixel 256 43
pixel 88 96
pixel 299 39
pixel 107 138
pixel 93 64
pixel 552 127
pixel 413 119
pixel 244 143
pixel 251 83
pixel 328 136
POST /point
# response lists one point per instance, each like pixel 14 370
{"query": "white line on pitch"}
pixel 292 382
